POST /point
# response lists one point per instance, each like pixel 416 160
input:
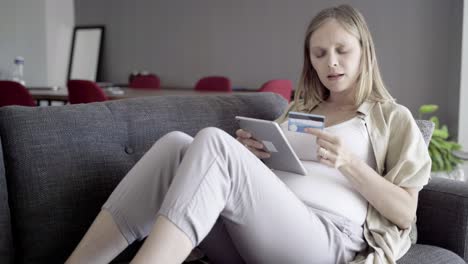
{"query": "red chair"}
pixel 13 93
pixel 149 81
pixel 83 91
pixel 281 87
pixel 214 84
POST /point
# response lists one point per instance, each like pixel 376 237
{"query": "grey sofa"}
pixel 60 163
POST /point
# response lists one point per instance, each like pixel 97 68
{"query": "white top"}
pixel 326 188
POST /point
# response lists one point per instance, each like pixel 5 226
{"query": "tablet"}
pixel 270 134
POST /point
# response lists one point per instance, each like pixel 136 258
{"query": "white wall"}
pixel 463 113
pixel 40 31
pixel 22 33
pixel 418 42
pixel 59 27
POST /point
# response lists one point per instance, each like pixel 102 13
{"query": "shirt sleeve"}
pixel 407 162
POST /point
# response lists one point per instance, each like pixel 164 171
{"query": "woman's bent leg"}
pixel 169 244
pixel 166 244
pixel 101 243
pixel 130 211
pixel 266 221
pixel 219 247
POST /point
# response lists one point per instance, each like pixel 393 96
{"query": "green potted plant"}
pixel 441 148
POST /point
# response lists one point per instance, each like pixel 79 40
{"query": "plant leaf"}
pixel 456 146
pixel 435 142
pixel 454 160
pixel 445 129
pixel 441 143
pixel 426 109
pixel 440 133
pixel 437 158
pixel 446 159
pixel 435 120
pixel 434 166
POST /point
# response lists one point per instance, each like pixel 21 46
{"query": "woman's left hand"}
pixel 330 149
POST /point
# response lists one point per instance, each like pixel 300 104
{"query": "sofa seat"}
pixel 426 254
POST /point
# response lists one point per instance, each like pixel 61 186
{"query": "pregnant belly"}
pixel 327 189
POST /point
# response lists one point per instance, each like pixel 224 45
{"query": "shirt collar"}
pixel 365 107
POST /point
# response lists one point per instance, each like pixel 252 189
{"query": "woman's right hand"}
pixel 245 138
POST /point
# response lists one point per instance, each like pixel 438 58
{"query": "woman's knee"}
pixel 215 139
pixel 212 133
pixel 173 143
pixel 176 140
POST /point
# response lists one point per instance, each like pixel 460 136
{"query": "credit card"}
pixel 297 122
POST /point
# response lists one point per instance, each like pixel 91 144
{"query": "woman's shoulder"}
pixel 392 110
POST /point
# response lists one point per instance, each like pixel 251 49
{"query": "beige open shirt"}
pixel 402 158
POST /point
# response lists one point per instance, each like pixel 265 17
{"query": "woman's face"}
pixel 335 55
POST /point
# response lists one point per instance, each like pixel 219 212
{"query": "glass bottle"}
pixel 17 75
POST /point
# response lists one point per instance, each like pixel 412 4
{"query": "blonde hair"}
pixel 370 85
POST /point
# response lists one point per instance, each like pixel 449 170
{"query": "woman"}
pixel 357 202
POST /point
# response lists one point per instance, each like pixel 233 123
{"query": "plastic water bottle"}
pixel 18 70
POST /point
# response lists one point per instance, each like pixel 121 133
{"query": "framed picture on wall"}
pixel 85 55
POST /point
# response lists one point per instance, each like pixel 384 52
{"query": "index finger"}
pixel 242 133
pixel 320 134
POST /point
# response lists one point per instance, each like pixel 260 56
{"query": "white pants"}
pixel 227 202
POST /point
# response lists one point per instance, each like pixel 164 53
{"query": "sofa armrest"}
pixel 443 215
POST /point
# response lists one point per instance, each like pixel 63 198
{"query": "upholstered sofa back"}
pixel 60 163
pixel 6 243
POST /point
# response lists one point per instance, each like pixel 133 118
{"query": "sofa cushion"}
pixel 443 215
pixel 426 127
pixel 425 254
pixel 63 162
pixel 6 246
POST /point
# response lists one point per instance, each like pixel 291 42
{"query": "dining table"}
pixel 50 94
